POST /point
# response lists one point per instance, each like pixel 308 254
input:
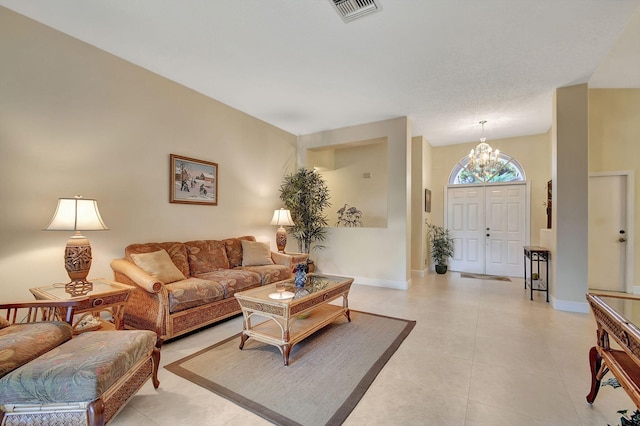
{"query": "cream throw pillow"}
pixel 159 265
pixel 255 253
pixel 4 322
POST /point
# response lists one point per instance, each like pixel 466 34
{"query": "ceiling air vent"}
pixel 354 9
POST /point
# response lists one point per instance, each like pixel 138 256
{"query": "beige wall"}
pixel 614 142
pixel 348 185
pixel 570 171
pixel 76 120
pixel 532 152
pixel 374 256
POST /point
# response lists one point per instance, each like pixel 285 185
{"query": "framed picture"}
pixel 193 181
pixel 427 201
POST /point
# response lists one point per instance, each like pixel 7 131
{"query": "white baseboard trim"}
pixel 377 282
pixel 636 289
pixel 418 272
pixel 569 306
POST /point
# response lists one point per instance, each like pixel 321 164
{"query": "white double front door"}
pixel 488 225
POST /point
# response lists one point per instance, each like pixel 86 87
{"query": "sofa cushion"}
pixel 233 280
pixel 21 343
pixel 255 253
pixel 234 249
pixel 193 292
pixel 158 264
pixel 177 252
pixel 269 273
pixel 80 370
pixel 206 256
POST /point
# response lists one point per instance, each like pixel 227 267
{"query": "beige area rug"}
pixel 327 375
pixel 484 277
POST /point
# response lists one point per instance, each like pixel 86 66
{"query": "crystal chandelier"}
pixel 484 162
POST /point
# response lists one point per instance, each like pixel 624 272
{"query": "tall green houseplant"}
pixel 441 246
pixel 306 195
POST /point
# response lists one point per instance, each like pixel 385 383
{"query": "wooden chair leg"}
pixel 156 365
pixel 95 413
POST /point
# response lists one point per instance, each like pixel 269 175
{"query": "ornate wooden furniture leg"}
pixel 595 361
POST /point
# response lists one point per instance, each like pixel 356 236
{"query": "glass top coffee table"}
pixel 286 312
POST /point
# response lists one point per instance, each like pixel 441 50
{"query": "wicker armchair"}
pixel 55 378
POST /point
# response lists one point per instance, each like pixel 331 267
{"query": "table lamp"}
pixel 282 218
pixel 77 214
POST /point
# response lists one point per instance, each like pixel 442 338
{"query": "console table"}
pixel 614 316
pixel 536 254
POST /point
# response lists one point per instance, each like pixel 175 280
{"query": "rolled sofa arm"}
pixel 137 275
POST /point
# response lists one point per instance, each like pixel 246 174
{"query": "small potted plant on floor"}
pixel 441 246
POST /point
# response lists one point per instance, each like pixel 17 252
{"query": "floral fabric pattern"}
pixel 270 273
pixel 21 343
pixel 233 280
pixel 177 252
pixel 192 292
pixel 206 256
pixel 234 250
pixel 80 370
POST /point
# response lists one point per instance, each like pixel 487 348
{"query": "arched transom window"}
pixel 509 171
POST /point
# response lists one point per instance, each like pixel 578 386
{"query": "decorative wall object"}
pixel 427 201
pixel 193 181
pixel 349 217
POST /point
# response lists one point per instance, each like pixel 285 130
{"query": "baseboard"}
pixel 636 289
pixel 377 282
pixel 569 306
pixel 418 272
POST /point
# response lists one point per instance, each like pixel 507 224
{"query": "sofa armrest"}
pixel 137 275
pixel 281 258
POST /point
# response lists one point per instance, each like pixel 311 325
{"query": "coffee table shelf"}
pixel 284 326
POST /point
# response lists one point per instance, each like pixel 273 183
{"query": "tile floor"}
pixel 481 353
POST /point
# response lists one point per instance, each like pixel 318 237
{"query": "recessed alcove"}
pixel 357 175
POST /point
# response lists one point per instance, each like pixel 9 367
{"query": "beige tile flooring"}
pixel 481 353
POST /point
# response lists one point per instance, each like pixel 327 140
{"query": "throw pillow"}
pixel 159 265
pixel 4 322
pixel 255 253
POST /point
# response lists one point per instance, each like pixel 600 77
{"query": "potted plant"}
pixel 441 246
pixel 306 195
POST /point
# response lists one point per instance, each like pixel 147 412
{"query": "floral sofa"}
pixel 48 377
pixel 183 286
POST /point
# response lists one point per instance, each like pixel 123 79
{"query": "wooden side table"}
pixel 106 296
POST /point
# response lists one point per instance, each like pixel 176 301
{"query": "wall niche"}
pixel 357 175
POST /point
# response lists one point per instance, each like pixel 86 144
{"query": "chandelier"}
pixel 484 162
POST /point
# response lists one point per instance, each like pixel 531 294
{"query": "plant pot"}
pixel 441 269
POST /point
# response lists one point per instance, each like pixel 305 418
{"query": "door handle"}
pixel 622 240
pixel 488 235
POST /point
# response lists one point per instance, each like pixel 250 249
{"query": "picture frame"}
pixel 192 181
pixel 427 201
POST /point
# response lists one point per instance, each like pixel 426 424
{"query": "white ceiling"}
pixel 446 64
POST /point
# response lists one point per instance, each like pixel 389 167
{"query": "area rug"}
pixel 484 277
pixel 328 372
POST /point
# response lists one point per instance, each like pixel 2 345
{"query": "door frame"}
pixel 629 175
pixel 527 205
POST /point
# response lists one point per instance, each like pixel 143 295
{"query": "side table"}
pixel 106 296
pixel 536 254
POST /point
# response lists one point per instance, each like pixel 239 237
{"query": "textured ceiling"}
pixel 446 64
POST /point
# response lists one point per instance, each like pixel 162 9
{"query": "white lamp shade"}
pixel 282 217
pixel 76 214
